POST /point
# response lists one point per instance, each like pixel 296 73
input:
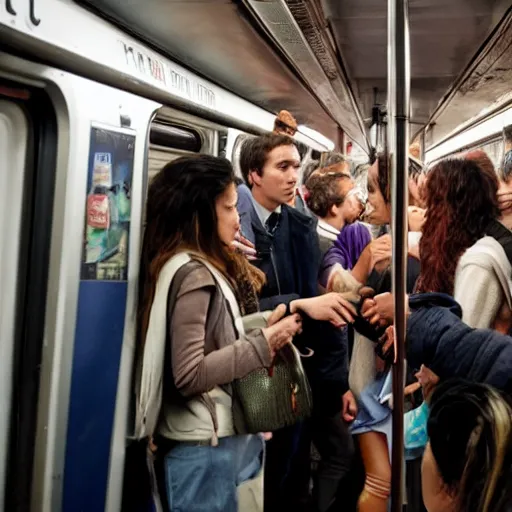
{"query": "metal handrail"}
pixel 398 143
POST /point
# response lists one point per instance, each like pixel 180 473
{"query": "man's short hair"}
pixel 324 192
pixel 254 152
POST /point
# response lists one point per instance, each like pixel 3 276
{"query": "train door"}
pixel 27 163
pixel 173 134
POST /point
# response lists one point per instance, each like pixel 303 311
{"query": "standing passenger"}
pixel 287 248
pixel 334 405
pixel 191 347
pixel 457 257
pixel 329 200
pixel 368 381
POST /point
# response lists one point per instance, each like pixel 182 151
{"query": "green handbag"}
pixel 268 399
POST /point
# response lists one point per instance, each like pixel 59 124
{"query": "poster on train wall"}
pixel 108 205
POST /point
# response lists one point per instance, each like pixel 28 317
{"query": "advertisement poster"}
pixel 108 208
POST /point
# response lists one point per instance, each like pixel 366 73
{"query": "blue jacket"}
pixel 437 337
pixel 290 260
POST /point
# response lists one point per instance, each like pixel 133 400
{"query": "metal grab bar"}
pixel 398 143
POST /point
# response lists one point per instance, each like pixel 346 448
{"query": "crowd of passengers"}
pixel 217 250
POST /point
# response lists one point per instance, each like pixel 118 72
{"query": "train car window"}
pixel 175 137
pixel 168 142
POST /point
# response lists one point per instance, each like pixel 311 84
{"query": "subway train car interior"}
pixel 97 96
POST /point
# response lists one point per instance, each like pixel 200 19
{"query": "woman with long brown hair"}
pixel 195 290
pixel 457 255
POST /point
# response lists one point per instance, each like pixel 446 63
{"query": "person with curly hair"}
pixel 457 255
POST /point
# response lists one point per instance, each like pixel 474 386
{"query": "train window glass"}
pixel 168 142
pixel 176 137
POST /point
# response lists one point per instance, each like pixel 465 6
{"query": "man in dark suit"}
pixel 287 252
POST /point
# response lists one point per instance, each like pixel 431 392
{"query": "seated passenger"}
pixel 193 286
pixel 467 465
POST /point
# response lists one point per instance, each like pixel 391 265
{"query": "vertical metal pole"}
pixel 398 98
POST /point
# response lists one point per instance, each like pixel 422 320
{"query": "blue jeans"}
pixel 202 478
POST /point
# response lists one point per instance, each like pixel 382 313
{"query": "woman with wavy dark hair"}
pixel 194 291
pixel 461 202
pixel 457 256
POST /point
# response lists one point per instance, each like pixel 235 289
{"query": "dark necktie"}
pixel 272 222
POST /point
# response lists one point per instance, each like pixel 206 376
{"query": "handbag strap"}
pixel 229 295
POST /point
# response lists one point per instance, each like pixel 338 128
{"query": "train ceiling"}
pixel 323 59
